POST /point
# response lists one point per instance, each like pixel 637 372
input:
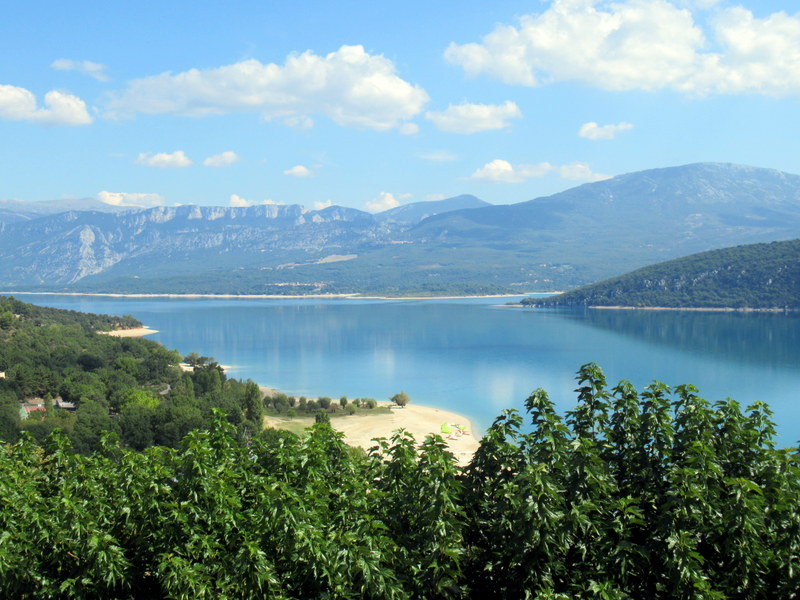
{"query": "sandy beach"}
pixel 133 332
pixel 360 430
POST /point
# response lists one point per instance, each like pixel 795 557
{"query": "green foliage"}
pixel 652 494
pixel 632 496
pixel 752 276
pixel 131 386
pixel 401 399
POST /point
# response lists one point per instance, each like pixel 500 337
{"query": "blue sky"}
pixel 374 104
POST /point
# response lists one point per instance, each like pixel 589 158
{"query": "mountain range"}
pixel 459 245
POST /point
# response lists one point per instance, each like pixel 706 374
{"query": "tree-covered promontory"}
pixel 757 276
pixel 56 365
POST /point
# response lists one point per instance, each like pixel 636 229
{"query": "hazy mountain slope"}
pixel 638 218
pixel 752 276
pixel 579 236
pixel 413 213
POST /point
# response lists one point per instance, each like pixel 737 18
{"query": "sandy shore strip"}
pixel 360 430
pixel 354 296
pixel 133 332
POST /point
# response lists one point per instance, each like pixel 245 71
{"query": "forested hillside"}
pixel 133 387
pixel 760 276
pixel 631 495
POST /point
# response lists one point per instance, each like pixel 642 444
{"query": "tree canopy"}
pixel 750 276
pixel 651 494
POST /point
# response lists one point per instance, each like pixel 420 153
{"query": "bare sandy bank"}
pixel 133 332
pixel 270 296
pixel 360 430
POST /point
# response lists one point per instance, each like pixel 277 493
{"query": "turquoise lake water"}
pixel 472 356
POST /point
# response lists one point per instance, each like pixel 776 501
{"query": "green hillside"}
pixel 758 276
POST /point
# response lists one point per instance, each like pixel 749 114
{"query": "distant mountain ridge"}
pixel 758 276
pixel 458 245
pixel 414 212
pixel 18 210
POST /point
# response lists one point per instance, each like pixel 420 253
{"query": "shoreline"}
pixel 695 308
pixel 354 296
pixel 132 332
pixel 360 429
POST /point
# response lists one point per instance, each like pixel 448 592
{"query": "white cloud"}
pixel 700 4
pixel 408 128
pixel 593 131
pixel 298 171
pixel 238 201
pixel 87 67
pixel 579 172
pixel 500 170
pixel 473 118
pixel 349 86
pixel 435 197
pixel 225 159
pixel 138 200
pixel 164 160
pixel 642 45
pixel 385 201
pixel 322 205
pixel 19 104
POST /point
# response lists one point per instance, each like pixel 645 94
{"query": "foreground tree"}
pixel 652 494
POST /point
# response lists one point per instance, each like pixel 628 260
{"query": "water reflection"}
pixel 770 338
pixel 473 357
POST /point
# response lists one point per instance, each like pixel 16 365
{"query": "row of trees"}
pixel 630 495
pixel 284 404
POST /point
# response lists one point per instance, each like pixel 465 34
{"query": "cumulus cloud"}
pixel 500 170
pixel 86 67
pixel 642 45
pixel 238 201
pixel 225 159
pixel 19 104
pixel 322 205
pixel 473 118
pixel 385 201
pixel 593 131
pixel 137 200
pixel 164 160
pixel 349 86
pixel 298 171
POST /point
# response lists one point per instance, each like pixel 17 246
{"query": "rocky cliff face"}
pixel 581 235
pixel 68 247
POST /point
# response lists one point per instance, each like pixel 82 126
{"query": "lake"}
pixel 470 355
